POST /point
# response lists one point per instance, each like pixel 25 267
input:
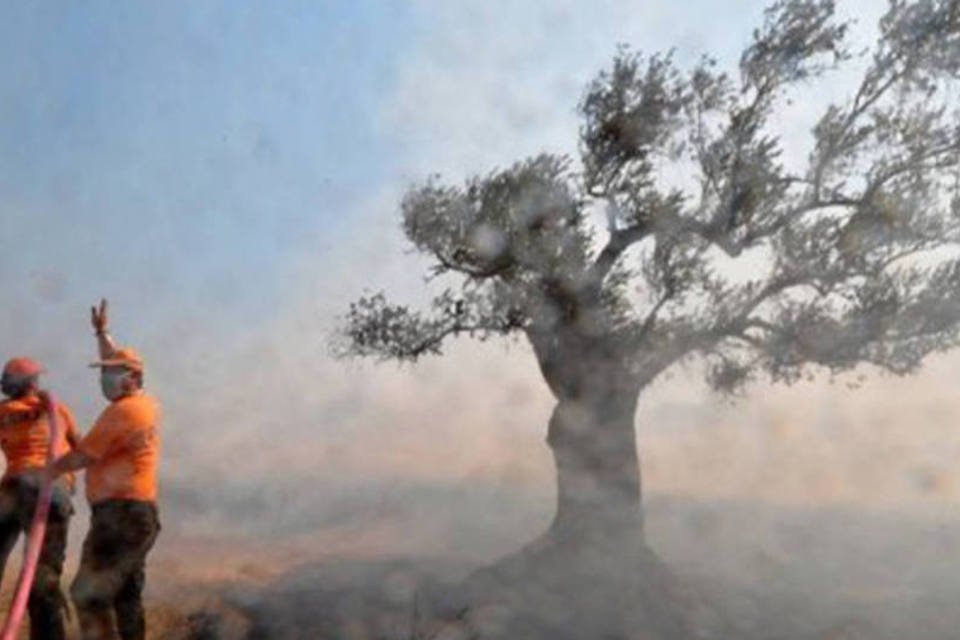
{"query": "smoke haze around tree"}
pixel 271 442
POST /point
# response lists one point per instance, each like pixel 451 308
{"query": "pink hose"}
pixel 38 527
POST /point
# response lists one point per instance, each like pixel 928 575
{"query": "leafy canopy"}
pixel 852 257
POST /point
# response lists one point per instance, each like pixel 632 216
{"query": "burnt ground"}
pixel 765 572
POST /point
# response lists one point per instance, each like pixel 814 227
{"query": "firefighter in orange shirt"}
pixel 25 438
pixel 120 455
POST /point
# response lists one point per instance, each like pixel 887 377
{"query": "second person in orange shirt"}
pixel 120 455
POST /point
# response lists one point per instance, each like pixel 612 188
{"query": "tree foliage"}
pixel 853 255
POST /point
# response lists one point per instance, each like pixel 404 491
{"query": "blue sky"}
pixel 184 148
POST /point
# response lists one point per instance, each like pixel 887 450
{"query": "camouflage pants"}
pixel 18 501
pixel 107 592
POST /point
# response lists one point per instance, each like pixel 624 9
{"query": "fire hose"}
pixel 38 528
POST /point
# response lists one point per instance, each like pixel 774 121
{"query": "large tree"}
pixel 851 256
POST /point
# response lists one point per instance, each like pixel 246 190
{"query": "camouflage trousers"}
pixel 18 501
pixel 107 592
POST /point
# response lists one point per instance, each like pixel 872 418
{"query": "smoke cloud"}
pixel 815 509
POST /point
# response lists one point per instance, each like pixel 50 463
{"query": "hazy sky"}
pixel 175 154
pixel 228 175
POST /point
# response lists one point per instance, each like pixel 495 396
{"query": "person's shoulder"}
pixel 64 408
pixel 66 414
pixel 144 400
pixel 139 407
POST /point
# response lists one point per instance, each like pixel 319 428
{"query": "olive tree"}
pixel 614 265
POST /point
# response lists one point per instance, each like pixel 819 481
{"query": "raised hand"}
pixel 98 317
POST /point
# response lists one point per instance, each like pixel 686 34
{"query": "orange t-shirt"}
pixel 25 434
pixel 124 444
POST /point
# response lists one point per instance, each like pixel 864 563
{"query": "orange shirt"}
pixel 124 444
pixel 25 434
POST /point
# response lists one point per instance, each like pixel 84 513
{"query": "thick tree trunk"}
pixel 593 440
pixel 592 436
pixel 591 575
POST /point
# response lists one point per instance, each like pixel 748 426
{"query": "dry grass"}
pixel 785 574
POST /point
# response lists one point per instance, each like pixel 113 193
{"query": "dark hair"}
pixel 18 386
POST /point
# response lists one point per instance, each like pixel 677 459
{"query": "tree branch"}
pixel 432 343
pixel 497 267
pixel 620 240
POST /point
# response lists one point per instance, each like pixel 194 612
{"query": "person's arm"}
pixel 68 425
pixel 73 461
pixel 99 442
pixel 72 435
pixel 98 318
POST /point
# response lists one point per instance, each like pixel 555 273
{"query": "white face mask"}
pixel 112 384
